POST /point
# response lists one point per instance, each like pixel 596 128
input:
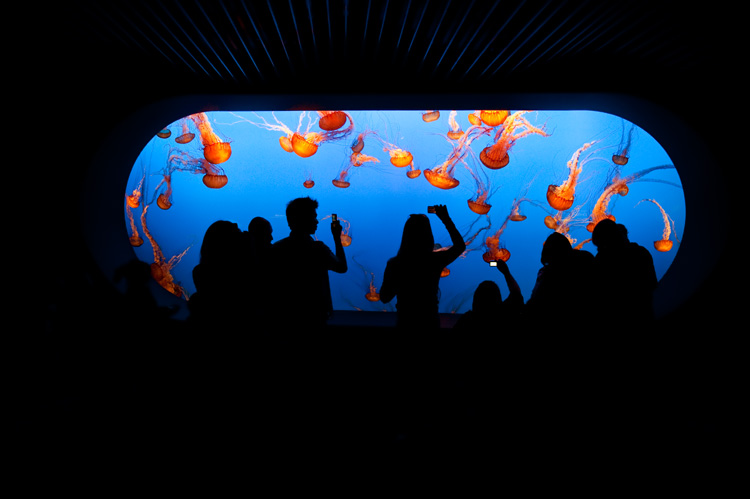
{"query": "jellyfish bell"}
pixel 440 181
pixel 309 184
pixel 557 199
pixel 623 191
pixel 340 183
pixel 305 145
pixel 215 181
pixel 286 143
pixel 331 120
pixel 455 135
pixel 445 272
pixel 346 240
pixel 493 118
pixel 663 245
pixel 517 217
pixel 474 118
pixel 413 173
pixel 550 222
pixel 133 200
pixel 372 296
pixel 218 152
pixel 136 241
pixel 620 159
pixel 479 208
pixel 185 138
pixel 163 201
pixel 494 158
pixel 503 254
pixel 164 133
pixel 401 158
pixel 429 116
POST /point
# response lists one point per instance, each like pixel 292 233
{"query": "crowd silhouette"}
pixel 283 287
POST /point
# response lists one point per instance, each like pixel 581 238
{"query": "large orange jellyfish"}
pixel 561 197
pixel 619 186
pixel 429 116
pixel 306 143
pixel 664 244
pixel 215 150
pixel 493 118
pixel 455 131
pixel 213 176
pixel 514 127
pixel 621 157
pixel 331 120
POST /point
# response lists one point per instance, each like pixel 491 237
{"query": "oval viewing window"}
pixel 508 178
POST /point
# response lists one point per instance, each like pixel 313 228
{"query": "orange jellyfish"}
pixel 306 143
pixel 135 238
pixel 213 176
pixel 164 200
pixel 186 136
pixel 372 293
pixel 164 133
pixel 474 118
pixel 161 268
pixel 134 199
pixel 493 118
pixel 621 157
pixel 493 250
pixel 429 116
pixel 359 143
pixel 215 150
pixel 442 176
pixel 664 244
pixel 455 131
pixel 285 141
pixel 619 186
pixel 309 183
pixel 561 197
pixel 413 172
pixel 496 156
pixel 515 211
pixel 478 204
pixel 356 160
pixel 331 120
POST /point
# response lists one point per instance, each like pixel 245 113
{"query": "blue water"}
pixel 263 178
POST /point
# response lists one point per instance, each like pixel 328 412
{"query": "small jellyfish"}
pixel 474 118
pixel 164 200
pixel 413 172
pixel 621 157
pixel 478 204
pixel 309 183
pixel 664 244
pixel 514 127
pixel 164 133
pixel 429 116
pixel 186 136
pixel 455 132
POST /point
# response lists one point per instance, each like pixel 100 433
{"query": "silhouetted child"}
pixel 257 268
pixel 302 296
pixel 413 275
pixel 489 312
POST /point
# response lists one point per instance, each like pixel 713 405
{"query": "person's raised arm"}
pixel 458 245
pixel 340 265
pixel 513 287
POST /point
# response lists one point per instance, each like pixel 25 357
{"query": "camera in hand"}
pixel 430 209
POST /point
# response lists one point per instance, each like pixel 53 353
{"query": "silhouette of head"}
pixel 220 241
pixel 417 238
pixel 609 234
pixel 555 248
pixel 260 231
pixel 302 215
pixel 487 298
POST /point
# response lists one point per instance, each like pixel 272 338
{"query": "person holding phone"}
pixel 302 296
pixel 413 275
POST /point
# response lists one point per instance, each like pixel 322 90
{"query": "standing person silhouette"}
pixel 413 275
pixel 489 312
pixel 257 253
pixel 302 297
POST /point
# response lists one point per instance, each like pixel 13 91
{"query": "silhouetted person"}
pixel 489 312
pixel 563 284
pixel 413 275
pixel 258 273
pixel 218 281
pixel 624 277
pixel 302 296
